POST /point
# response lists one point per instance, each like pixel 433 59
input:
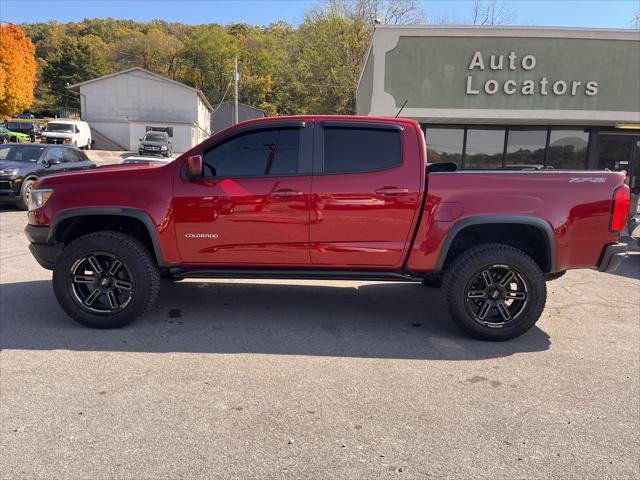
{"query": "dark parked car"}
pixel 155 143
pixel 22 164
pixel 33 129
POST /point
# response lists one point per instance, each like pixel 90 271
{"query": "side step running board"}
pixel 298 275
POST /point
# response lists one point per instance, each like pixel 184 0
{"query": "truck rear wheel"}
pixel 495 292
pixel 106 279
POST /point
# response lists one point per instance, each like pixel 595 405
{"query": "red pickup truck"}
pixel 320 197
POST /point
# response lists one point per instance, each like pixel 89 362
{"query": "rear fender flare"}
pixel 538 223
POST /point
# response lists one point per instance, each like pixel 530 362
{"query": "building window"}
pixel 525 147
pixel 444 145
pixel 349 150
pixel 568 149
pixel 484 149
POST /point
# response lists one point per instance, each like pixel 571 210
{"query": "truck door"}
pixel 252 206
pixel 367 181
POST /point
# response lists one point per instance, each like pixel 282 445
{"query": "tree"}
pixel 155 50
pixel 635 21
pixel 208 57
pixel 332 44
pixel 17 70
pixel 491 12
pixel 76 60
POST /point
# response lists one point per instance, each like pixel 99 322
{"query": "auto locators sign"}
pixel 537 85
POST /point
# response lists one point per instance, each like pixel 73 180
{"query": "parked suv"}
pixel 22 164
pixel 155 143
pixel 321 197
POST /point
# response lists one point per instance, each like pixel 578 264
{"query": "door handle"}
pixel 286 193
pixel 392 191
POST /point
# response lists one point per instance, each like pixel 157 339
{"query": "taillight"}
pixel 620 209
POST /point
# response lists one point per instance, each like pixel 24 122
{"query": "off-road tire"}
pixel 23 201
pixel 134 255
pixel 464 269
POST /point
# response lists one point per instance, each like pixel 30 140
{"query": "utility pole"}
pixel 236 77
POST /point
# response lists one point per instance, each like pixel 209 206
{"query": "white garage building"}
pixel 122 106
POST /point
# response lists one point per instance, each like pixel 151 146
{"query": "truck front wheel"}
pixel 105 279
pixel 495 292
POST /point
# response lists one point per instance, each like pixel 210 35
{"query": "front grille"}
pixel 5 185
pixel 55 141
pixel 151 148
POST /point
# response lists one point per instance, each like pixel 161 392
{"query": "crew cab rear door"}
pixel 252 206
pixel 368 178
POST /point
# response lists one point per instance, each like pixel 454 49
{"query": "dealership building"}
pixel 500 97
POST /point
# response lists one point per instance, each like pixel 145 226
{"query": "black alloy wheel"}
pixel 496 295
pixel 106 279
pixel 494 291
pixel 102 283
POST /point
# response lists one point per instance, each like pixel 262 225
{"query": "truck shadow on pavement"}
pixel 377 320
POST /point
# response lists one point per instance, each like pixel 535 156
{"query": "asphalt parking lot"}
pixel 323 379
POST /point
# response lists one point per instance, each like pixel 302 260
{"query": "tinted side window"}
pixel 256 153
pixel 54 154
pixel 348 150
pixel 70 155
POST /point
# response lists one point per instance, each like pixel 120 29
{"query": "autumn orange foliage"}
pixel 17 70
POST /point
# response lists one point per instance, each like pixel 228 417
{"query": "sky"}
pixel 569 13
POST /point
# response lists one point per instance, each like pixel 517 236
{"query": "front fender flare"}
pixel 112 211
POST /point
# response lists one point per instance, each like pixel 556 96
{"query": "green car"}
pixel 7 136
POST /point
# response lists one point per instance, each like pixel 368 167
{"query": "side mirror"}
pixel 194 167
pixel 139 139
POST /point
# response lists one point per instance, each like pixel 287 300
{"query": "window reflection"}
pixel 484 148
pixel 568 149
pixel 444 145
pixel 526 148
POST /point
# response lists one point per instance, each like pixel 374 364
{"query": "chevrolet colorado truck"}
pixel 324 197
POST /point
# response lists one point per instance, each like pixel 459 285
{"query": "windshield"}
pixel 59 127
pixel 153 138
pixel 18 126
pixel 22 153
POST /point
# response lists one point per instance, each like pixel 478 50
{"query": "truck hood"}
pixel 118 172
pixel 153 144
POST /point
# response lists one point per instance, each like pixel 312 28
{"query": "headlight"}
pixel 9 171
pixel 164 147
pixel 38 197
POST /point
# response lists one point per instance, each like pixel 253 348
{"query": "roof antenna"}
pixel 401 108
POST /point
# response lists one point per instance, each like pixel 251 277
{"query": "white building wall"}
pixel 120 107
pixel 115 131
pixel 136 96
